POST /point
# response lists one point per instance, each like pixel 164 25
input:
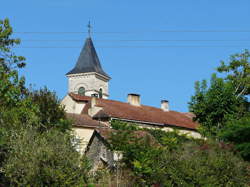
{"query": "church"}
pixel 87 103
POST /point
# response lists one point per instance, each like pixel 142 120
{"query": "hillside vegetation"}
pixel 37 147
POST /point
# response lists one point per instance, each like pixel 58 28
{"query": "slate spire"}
pixel 88 60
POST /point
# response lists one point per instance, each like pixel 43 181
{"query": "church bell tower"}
pixel 87 77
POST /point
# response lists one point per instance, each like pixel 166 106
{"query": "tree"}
pixel 190 163
pixel 35 142
pixel 238 72
pixel 47 159
pixel 50 111
pixel 238 133
pixel 11 86
pixel 205 164
pixel 215 105
pixel 8 59
pixel 223 109
pixel 12 90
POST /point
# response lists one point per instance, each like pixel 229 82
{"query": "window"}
pixel 94 95
pixel 100 93
pixel 81 91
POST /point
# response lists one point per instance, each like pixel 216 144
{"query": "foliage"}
pixel 12 89
pixel 50 112
pixel 238 132
pixel 47 159
pixel 120 125
pixel 215 105
pixel 171 140
pixel 238 72
pixel 138 154
pixel 35 143
pixel 205 164
pixel 223 108
pixel 8 59
pixel 11 85
pixel 178 161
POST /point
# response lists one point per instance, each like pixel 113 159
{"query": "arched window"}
pixel 81 91
pixel 100 93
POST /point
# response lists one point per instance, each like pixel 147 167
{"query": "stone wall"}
pixel 99 155
pixel 72 106
pixel 92 82
pixel 83 136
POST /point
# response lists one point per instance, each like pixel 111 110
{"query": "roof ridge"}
pixel 144 113
pixel 183 113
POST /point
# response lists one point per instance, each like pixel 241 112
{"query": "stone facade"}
pixel 92 83
pixel 99 154
pixel 72 106
pixel 82 136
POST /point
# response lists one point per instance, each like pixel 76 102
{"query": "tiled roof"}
pixel 146 114
pixel 189 114
pixel 77 97
pixel 84 120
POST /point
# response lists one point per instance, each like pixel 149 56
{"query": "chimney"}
pixel 165 105
pixel 93 102
pixel 134 99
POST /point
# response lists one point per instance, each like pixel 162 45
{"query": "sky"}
pixel 157 49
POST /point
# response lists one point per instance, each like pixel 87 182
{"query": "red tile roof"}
pixel 146 114
pixel 77 97
pixel 84 120
pixel 189 114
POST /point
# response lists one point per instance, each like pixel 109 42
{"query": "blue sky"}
pixel 155 69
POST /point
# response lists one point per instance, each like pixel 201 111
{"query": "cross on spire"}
pixel 89 29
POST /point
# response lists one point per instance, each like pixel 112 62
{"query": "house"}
pixel 98 149
pixel 88 103
pixel 98 152
pixel 84 127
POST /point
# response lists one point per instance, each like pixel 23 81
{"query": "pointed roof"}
pixel 88 60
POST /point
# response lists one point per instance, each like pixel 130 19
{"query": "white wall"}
pixel 83 135
pixel 72 106
pixel 92 82
pixel 189 133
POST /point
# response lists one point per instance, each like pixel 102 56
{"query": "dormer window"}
pixel 81 91
pixel 100 93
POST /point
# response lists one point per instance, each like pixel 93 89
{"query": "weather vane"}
pixel 89 28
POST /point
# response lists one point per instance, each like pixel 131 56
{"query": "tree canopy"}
pixel 177 160
pixel 222 109
pixel 36 146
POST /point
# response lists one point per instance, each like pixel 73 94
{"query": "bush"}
pixel 50 111
pixel 178 160
pixel 205 165
pixel 47 159
pixel 238 133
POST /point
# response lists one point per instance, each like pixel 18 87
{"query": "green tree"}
pixel 8 59
pixel 47 159
pixel 11 86
pixel 238 72
pixel 238 133
pixel 189 163
pixel 35 143
pixel 205 164
pixel 12 90
pixel 223 108
pixel 50 111
pixel 215 105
